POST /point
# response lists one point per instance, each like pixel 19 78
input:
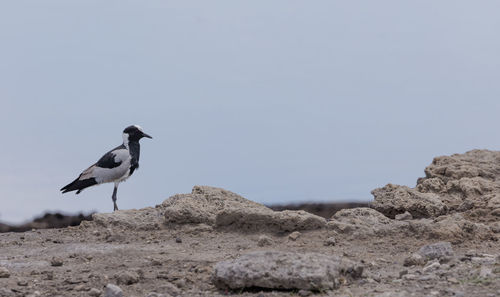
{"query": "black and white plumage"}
pixel 115 166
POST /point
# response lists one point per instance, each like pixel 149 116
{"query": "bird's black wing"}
pixel 108 160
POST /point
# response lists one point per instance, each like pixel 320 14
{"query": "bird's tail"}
pixel 78 185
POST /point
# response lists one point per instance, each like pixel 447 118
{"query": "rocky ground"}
pixel 437 239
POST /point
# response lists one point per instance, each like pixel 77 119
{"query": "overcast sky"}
pixel 279 101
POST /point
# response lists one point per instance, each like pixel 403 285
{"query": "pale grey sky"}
pixel 279 101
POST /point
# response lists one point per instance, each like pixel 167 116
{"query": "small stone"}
pixel 402 273
pixel 34 294
pixel 48 275
pixel 431 266
pixel 181 283
pixel 154 294
pixel 80 288
pixel 414 260
pixel 453 280
pixel 483 260
pixel 404 216
pixel 95 292
pixel 6 292
pixel 294 235
pixel 330 241
pixel 112 291
pixel 439 250
pixel 169 289
pixel 409 277
pixel 304 293
pixel 495 212
pixel 4 272
pixel 178 240
pixel 56 262
pixel 264 241
pixel 127 278
pixel 22 283
pixel 485 272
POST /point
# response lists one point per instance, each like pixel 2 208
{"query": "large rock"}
pixel 267 220
pixel 475 163
pixel 464 181
pixel 364 221
pixel 367 222
pixel 203 205
pixel 284 270
pixel 226 210
pixel 393 199
pixel 467 183
pixel 438 250
pixel 450 227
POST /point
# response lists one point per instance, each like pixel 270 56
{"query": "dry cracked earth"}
pixel 437 239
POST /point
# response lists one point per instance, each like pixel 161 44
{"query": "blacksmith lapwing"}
pixel 115 166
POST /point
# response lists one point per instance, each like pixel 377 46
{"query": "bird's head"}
pixel 134 133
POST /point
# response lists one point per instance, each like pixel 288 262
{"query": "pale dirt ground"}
pixel 93 255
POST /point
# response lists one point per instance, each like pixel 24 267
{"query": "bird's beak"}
pixel 145 135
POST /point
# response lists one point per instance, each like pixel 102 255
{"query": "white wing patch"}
pixel 106 175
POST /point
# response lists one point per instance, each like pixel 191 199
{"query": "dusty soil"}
pixel 93 257
pixel 163 250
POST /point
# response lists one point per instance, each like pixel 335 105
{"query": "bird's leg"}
pixel 114 197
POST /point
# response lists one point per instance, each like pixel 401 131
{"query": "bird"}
pixel 114 166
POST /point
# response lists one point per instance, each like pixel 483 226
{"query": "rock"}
pixel 112 291
pixel 414 260
pixel 330 241
pixel 154 294
pixel 203 205
pixel 439 250
pixel 294 236
pixel 143 219
pixel 364 221
pixel 402 273
pixel 22 283
pixel 485 272
pixel 304 293
pixel 453 280
pixel 393 199
pixel 404 216
pixel 393 294
pixel 56 262
pixel 409 277
pixel 252 220
pixel 4 292
pixel 229 211
pixel 127 278
pixel 264 240
pixel 455 226
pixel 488 260
pixel 178 240
pixel 431 266
pixel 80 288
pixel 169 289
pixel 284 270
pixel 4 272
pixel 475 163
pixel 95 292
pixel 34 294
